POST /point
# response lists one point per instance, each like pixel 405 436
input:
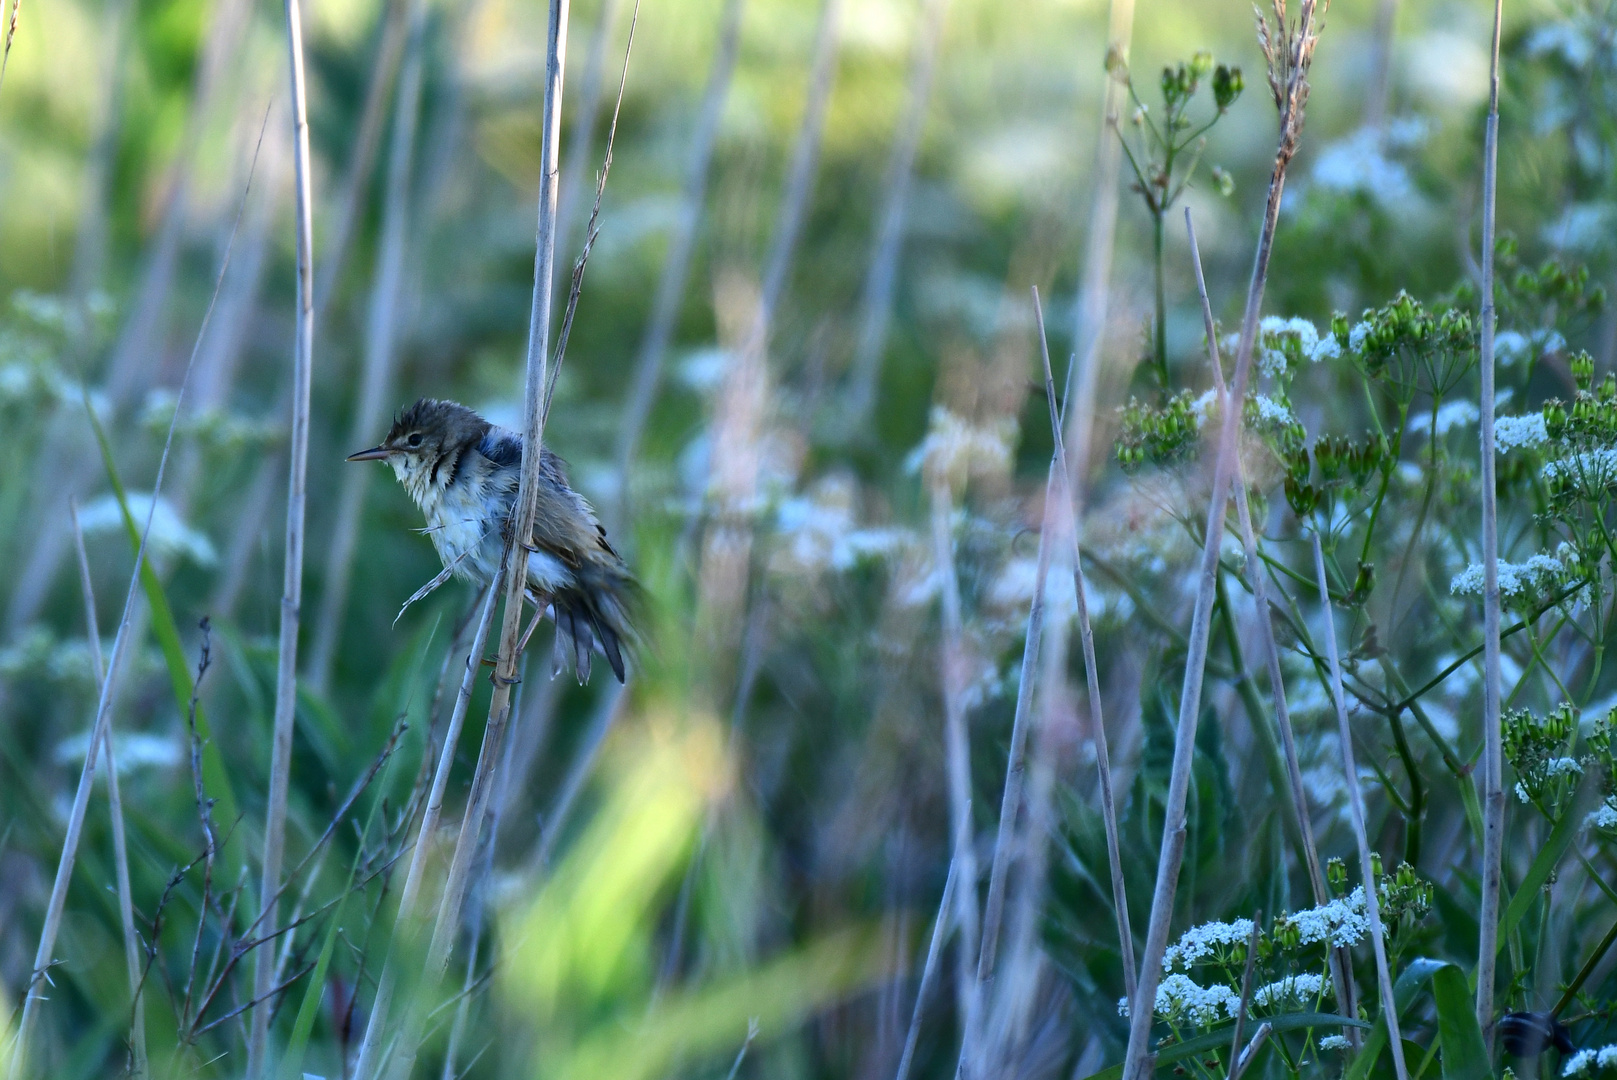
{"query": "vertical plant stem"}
pixel 876 302
pixel 405 922
pixel 381 350
pixel 1090 305
pixel 585 115
pixel 536 383
pixel 120 843
pixel 1378 91
pixel 1246 994
pixel 677 264
pixel 1341 964
pixel 1016 765
pixel 1103 763
pixel 1292 91
pixel 286 672
pixel 1492 749
pixel 929 973
pixel 1350 772
pixel 957 751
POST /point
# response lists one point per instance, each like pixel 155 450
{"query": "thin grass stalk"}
pixel 1350 772
pixel 120 843
pixel 1090 305
pixel 1341 963
pixel 929 973
pixel 606 717
pixel 1250 1053
pixel 1246 995
pixel 480 907
pixel 876 301
pixel 396 29
pixel 1010 805
pixel 1103 763
pixel 405 922
pixel 103 714
pixel 1378 91
pixel 1492 746
pixel 585 116
pixel 381 353
pixel 957 751
pixel 677 264
pixel 11 35
pixel 286 673
pixel 536 383
pixel 90 242
pixel 1289 60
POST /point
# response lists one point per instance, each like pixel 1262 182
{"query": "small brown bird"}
pixel 463 472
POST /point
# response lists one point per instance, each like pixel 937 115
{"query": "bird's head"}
pixel 423 434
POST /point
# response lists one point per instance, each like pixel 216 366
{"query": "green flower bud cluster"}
pixel 1537 749
pixel 1342 462
pixel 1162 435
pixel 1602 752
pixel 1402 329
pixel 1405 897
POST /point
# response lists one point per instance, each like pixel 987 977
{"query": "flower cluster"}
pixel 1403 329
pixel 1536 577
pixel 1293 989
pixel 1519 433
pixel 954 448
pixel 1161 435
pixel 1339 923
pixel 1225 942
pixel 1180 999
pixel 1591 1062
pixel 1284 344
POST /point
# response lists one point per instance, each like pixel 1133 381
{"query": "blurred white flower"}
pixel 1514 578
pixel 1293 988
pixel 954 447
pixel 1583 1061
pixel 1180 998
pixel 169 535
pixel 1519 432
pixel 1334 1042
pixel 1358 165
pixel 1604 819
pixel 1450 415
pixel 134 750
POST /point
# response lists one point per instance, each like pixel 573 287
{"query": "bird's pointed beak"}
pixel 375 453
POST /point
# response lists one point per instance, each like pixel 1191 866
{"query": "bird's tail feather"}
pixel 597 611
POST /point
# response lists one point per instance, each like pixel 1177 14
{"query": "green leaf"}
pixel 1415 975
pixel 1219 1038
pixel 1555 846
pixel 1465 1056
pixel 214 776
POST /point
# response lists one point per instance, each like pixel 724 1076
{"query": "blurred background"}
pixel 757 829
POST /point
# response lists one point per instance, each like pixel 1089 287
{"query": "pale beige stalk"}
pixel 286 673
pixel 1493 793
pixel 1350 773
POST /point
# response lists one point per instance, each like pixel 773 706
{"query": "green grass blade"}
pixel 1465 1056
pixel 1416 974
pixel 1544 864
pixel 167 632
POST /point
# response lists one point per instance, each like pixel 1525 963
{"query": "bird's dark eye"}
pixel 414 439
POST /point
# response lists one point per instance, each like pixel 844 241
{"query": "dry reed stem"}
pixel 286 672
pixel 1103 763
pixel 356 182
pixel 585 115
pixel 876 301
pixel 404 921
pixel 381 352
pixel 957 751
pixel 536 381
pixel 1016 765
pixel 677 264
pixel 1090 305
pixel 1289 60
pixel 115 804
pixel 1350 772
pixel 11 35
pixel 1492 747
pixel 103 715
pixel 1250 1053
pixel 1341 962
pixel 929 974
pixel 1246 995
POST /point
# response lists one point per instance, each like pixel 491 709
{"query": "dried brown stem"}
pixel 1350 772
pixel 286 674
pixel 1289 69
